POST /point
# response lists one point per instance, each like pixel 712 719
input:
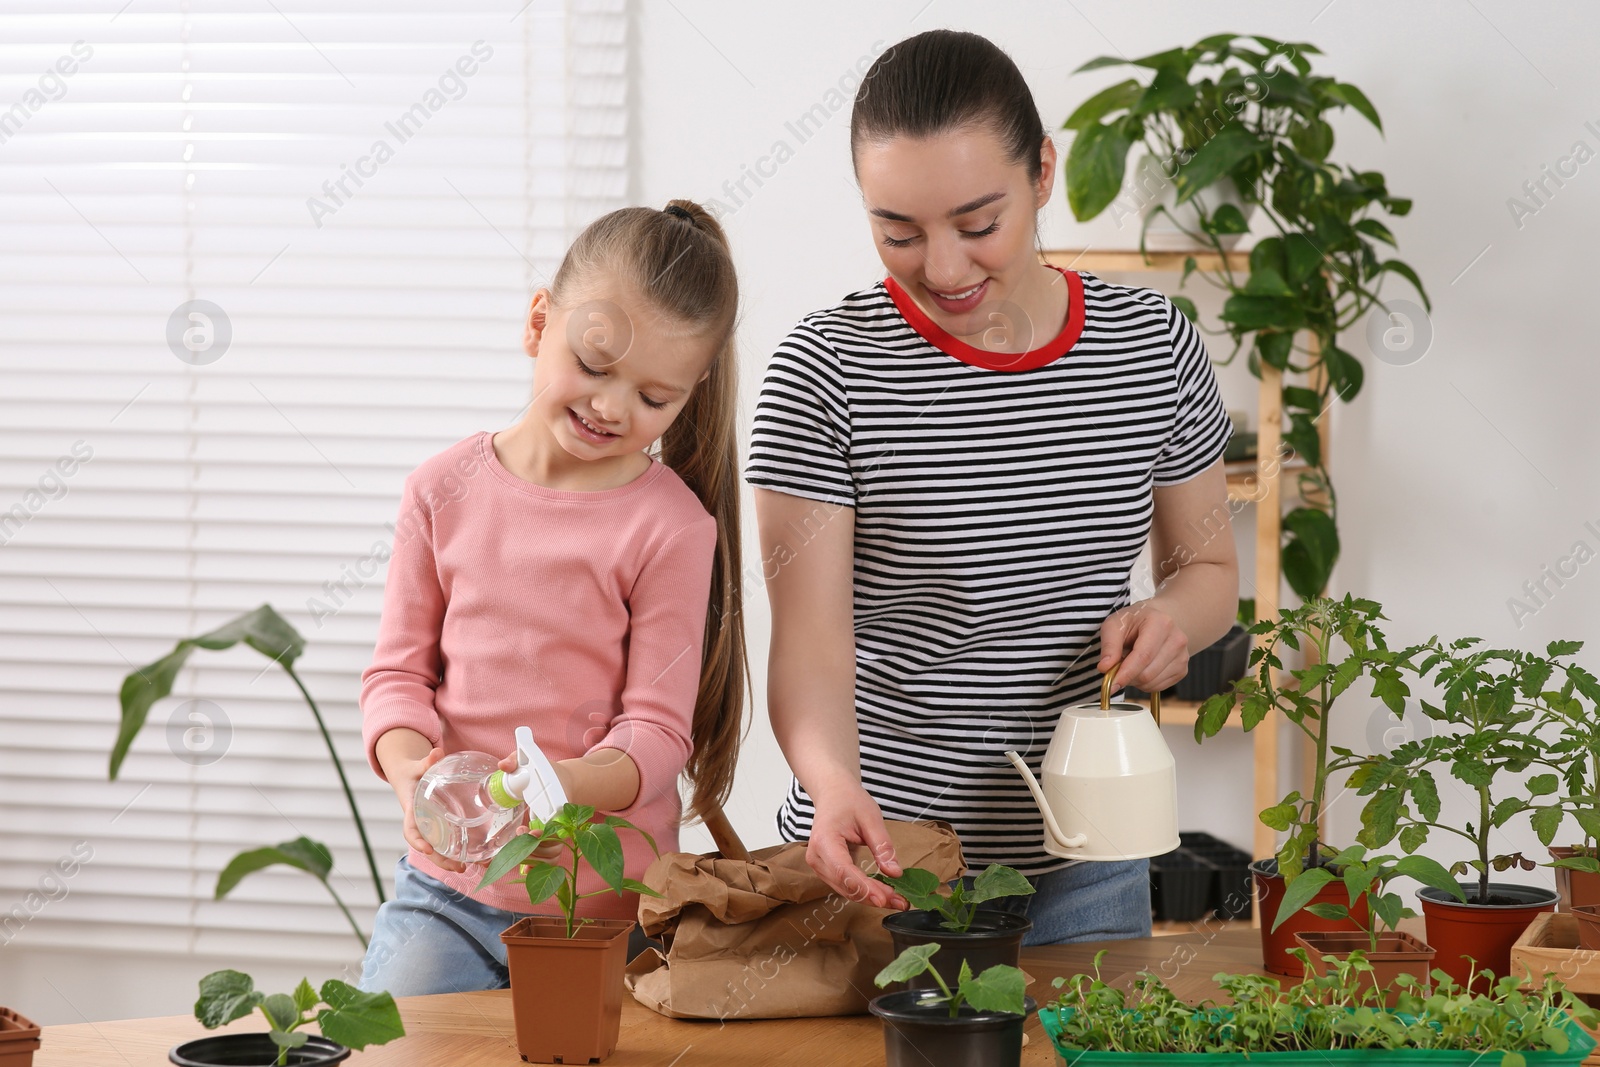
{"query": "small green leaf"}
pixel 906 966
pixel 305 998
pixel 996 882
pixel 280 1010
pixel 224 997
pixel 1429 872
pixel 639 887
pixel 1546 823
pixel 303 853
pixel 921 888
pixel 1299 892
pixel 1114 98
pixel 998 988
pixel 1335 912
pixel 1349 94
pixel 1186 306
pixel 285 1039
pixel 1231 146
pixel 358 1019
pixel 511 854
pixel 545 880
pixel 1541 784
pixel 600 846
pixel 1228 219
pixel 1096 164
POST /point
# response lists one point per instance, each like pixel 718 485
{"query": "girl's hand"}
pixel 1153 651
pixel 550 851
pixel 403 774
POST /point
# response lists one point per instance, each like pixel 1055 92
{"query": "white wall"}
pixel 1460 476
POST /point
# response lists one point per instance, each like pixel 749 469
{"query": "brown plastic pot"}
pixel 1397 953
pixel 1275 944
pixel 994 937
pixel 19 1039
pixel 1473 937
pixel 919 1032
pixel 1575 888
pixel 566 993
pixel 1588 916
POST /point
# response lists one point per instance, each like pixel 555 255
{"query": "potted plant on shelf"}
pixel 976 1019
pixel 271 635
pixel 1320 1021
pixel 1388 953
pixel 567 971
pixel 19 1039
pixel 1573 712
pixel 1494 698
pixel 1305 696
pixel 973 936
pixel 1245 116
pixel 349 1019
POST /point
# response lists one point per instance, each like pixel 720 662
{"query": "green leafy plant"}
pixel 271 635
pixel 1305 696
pixel 998 988
pixel 1493 702
pixel 1248 110
pixel 1322 1013
pixel 348 1016
pixel 959 906
pixel 1573 713
pixel 581 837
pixel 1369 877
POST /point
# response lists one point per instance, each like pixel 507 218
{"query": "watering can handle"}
pixel 1109 682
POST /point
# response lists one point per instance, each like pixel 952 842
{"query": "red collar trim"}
pixel 953 346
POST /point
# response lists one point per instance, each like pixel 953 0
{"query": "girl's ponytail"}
pixel 678 260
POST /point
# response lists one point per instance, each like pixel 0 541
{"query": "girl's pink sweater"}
pixel 580 615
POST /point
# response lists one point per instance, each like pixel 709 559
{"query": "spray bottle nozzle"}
pixel 534 782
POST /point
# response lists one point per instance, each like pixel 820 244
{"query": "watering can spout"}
pixel 1052 827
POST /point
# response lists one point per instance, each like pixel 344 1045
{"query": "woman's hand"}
pixel 844 817
pixel 1153 650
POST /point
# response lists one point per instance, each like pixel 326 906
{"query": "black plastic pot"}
pixel 919 1032
pixel 1181 885
pixel 995 937
pixel 1212 670
pixel 254 1050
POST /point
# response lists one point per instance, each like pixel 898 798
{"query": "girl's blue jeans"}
pixel 432 939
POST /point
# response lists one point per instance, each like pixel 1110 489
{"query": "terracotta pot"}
pixel 19 1038
pixel 254 1048
pixel 995 937
pixel 1396 954
pixel 1588 916
pixel 919 1032
pixel 1275 944
pixel 1473 937
pixel 566 993
pixel 1574 887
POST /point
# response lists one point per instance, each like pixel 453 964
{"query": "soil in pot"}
pixel 1575 888
pixel 1396 954
pixel 994 937
pixel 1471 937
pixel 1588 916
pixel 919 1032
pixel 19 1039
pixel 254 1050
pixel 1275 944
pixel 566 993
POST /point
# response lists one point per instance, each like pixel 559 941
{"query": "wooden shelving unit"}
pixel 1262 487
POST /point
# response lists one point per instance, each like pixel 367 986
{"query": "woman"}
pixel 955 471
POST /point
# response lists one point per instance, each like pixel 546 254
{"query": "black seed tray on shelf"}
pixel 1203 875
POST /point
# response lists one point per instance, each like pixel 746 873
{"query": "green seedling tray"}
pixel 1050 1018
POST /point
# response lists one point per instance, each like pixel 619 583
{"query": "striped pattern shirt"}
pixel 1000 502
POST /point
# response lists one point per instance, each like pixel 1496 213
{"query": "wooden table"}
pixel 474 1029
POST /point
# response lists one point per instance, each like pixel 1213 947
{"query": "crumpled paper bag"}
pixel 765 938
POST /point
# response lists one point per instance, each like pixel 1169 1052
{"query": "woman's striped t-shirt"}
pixel 1000 502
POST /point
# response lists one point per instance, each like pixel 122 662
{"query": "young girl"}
pixel 556 575
pixel 977 448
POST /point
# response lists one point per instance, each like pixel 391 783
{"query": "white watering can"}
pixel 1110 784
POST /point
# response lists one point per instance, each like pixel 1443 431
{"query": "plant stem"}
pixel 571 910
pixel 355 813
pixel 347 915
pixel 1323 643
pixel 1483 843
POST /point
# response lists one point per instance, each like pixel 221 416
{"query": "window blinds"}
pixel 259 258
